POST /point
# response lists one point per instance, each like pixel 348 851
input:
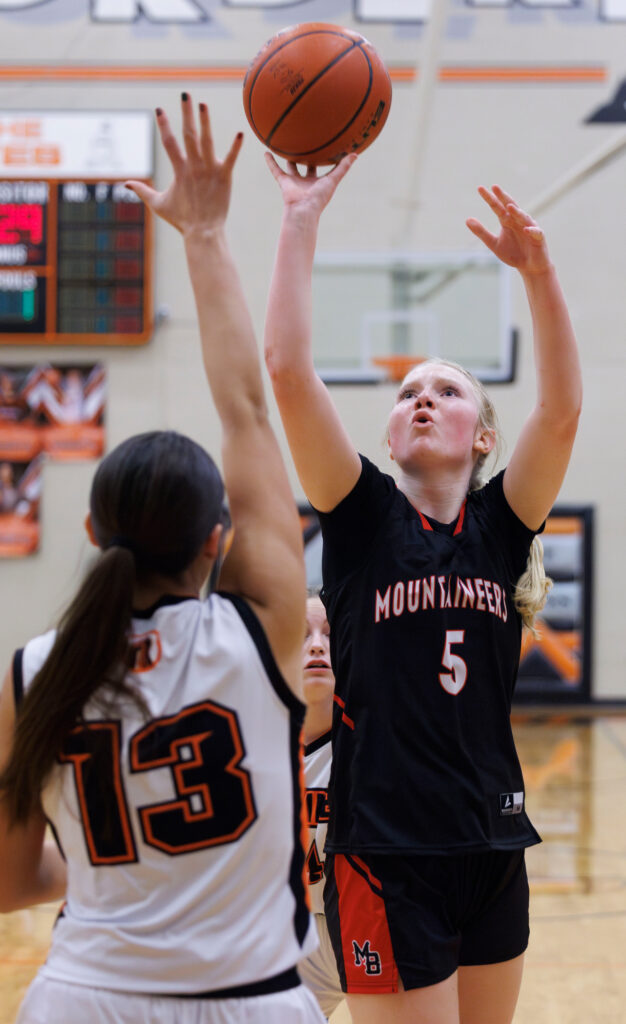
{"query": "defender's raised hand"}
pixel 521 242
pixel 198 197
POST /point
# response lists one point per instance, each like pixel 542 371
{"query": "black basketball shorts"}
pixel 419 918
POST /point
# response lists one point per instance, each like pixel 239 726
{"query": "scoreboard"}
pixel 74 263
pixel 75 257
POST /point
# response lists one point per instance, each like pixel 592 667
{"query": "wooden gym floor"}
pixel 575 771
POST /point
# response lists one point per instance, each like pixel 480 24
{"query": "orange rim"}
pixel 397 366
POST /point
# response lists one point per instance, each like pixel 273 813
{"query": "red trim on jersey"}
pixel 344 717
pixel 365 940
pixel 424 521
pixel 459 524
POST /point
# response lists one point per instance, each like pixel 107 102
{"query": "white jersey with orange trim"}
pixel 182 827
pixel 319 970
pixel 317 761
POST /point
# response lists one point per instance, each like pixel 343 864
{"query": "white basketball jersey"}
pixel 182 829
pixel 317 758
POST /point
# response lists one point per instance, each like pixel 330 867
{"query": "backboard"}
pixel 376 314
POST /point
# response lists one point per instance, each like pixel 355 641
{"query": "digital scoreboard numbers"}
pixel 101 260
pixel 75 250
pixel 74 263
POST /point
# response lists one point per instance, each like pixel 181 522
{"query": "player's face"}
pixel 436 416
pixel 319 680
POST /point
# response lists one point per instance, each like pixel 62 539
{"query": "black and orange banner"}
pixel 20 494
pixel 58 410
pixel 555 665
pixel 46 413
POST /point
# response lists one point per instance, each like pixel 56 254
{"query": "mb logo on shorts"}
pixel 364 955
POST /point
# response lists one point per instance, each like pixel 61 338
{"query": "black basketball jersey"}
pixel 425 646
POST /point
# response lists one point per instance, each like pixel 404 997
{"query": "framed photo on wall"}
pixel 556 665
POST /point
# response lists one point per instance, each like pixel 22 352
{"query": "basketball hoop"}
pixel 397 366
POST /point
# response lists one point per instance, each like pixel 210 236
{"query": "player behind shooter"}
pixel 157 731
pixel 319 970
pixel 426 582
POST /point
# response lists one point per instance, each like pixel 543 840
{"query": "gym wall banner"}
pixel 57 409
pixel 20 494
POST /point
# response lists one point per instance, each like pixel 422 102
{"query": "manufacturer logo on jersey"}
pixel 364 955
pixel 511 803
pixel 145 651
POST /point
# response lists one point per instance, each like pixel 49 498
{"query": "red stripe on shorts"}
pixel 365 940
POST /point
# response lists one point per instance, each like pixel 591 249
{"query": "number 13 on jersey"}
pixel 200 748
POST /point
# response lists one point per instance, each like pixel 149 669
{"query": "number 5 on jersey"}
pixel 454 680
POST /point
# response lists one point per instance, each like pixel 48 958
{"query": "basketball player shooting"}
pixel 428 579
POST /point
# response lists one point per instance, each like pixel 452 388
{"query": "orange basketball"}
pixel 316 92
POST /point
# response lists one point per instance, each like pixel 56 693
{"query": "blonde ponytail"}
pixel 532 588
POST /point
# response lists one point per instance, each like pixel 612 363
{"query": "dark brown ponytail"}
pixel 154 501
pixel 90 652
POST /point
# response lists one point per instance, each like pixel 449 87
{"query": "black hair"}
pixel 159 495
pixel 154 501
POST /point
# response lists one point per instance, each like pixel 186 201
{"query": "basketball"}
pixel 316 92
